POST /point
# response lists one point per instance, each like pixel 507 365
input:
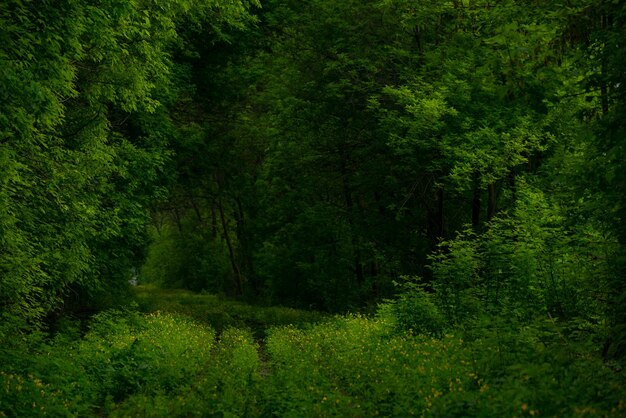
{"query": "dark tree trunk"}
pixel 236 270
pixel 347 193
pixel 213 221
pixel 196 210
pixel 245 250
pixel 177 220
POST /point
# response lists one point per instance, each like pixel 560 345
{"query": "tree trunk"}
pixel 213 221
pixel 347 193
pixel 245 250
pixel 231 252
pixel 177 220
pixel 196 210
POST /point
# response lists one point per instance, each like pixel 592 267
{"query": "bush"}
pixel 130 353
pixel 415 310
pixel 225 386
pixel 42 376
pixel 355 367
pixel 123 354
pixel 529 264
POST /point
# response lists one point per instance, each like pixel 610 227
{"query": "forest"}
pixel 312 208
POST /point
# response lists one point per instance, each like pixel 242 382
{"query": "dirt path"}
pixel 264 362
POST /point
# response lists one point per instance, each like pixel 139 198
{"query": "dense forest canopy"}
pixel 454 168
pixel 308 153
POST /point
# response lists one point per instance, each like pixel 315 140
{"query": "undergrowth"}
pixel 220 312
pixel 162 364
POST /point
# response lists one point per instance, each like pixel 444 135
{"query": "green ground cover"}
pixel 221 312
pixel 173 362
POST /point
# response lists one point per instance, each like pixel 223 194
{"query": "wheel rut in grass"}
pixel 265 368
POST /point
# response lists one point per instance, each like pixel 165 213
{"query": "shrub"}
pixel 225 386
pixel 128 353
pixel 415 310
pixel 355 367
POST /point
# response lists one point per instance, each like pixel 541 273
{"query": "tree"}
pixel 83 88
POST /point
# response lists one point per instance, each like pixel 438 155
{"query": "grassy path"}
pixel 221 313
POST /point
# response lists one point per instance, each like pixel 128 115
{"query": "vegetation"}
pixel 349 208
pixel 221 313
pixel 162 364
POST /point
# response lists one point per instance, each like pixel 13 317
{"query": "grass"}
pixel 201 355
pixel 220 312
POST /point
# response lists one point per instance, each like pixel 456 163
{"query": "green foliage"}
pixel 455 272
pixel 312 154
pixel 355 367
pixel 351 367
pixel 415 310
pixel 129 364
pixel 238 363
pixel 599 179
pixel 136 355
pixel 83 85
pixel 190 259
pixel 226 385
pixel 528 264
pixel 156 365
pixel 536 367
pixel 122 354
pixel 222 313
pixel 311 171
